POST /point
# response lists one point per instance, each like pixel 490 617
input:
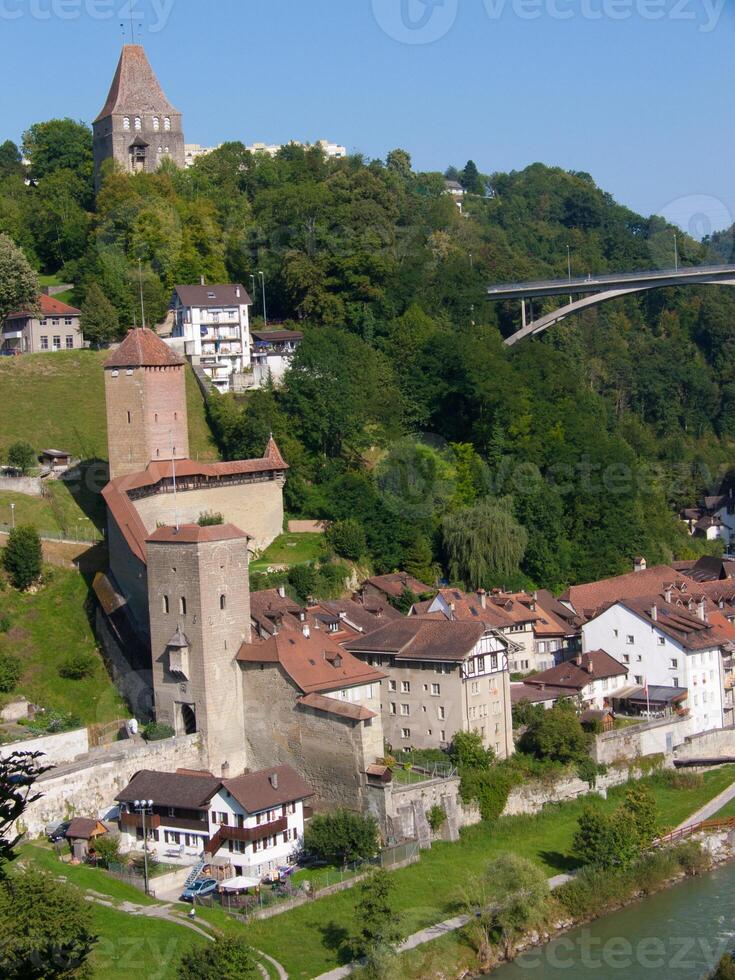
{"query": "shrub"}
pixel 725 969
pixel 342 836
pixel 679 779
pixel 155 732
pixel 210 519
pixel 226 957
pixel 589 770
pixel 692 858
pixel 22 556
pixel 347 538
pixel 436 817
pixel 594 891
pixel 107 849
pixel 22 456
pixel 78 666
pixel 5 624
pixel 10 672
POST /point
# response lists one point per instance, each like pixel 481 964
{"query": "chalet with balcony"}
pixel 249 825
pixel 272 353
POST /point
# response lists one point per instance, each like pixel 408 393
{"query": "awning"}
pixel 239 884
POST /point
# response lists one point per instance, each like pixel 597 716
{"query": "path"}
pixel 429 933
pixel 711 808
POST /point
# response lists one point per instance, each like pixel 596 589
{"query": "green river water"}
pixel 678 933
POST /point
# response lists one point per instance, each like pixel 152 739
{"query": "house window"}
pixel 392 685
pixel 44 343
pixel 165 604
pixel 57 343
pixel 443 735
pixel 405 733
pixel 182 605
pixel 638 679
pixel 674 664
pixel 442 714
pixel 662 641
pixel 675 681
pixel 626 658
pixel 475 687
pixel 405 687
pixel 69 343
pixel 480 665
pixel 405 709
pixel 630 640
pixel 392 707
pixel 67 321
pixel 436 690
pixel 223 602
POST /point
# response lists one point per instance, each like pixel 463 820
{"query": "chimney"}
pixel 639 564
pixel 237 291
pixel 702 610
pixel 578 660
pixel 654 612
pixel 667 593
pixel 590 668
pixel 306 631
pixel 273 780
pixel 482 595
pixel 282 591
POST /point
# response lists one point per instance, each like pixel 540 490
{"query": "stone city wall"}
pixel 661 736
pixel 29 485
pixel 57 749
pixel 708 745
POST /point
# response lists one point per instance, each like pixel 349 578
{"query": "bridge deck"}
pixel 624 280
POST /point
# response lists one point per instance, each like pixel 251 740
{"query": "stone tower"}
pixel 199 608
pixel 137 127
pixel 145 391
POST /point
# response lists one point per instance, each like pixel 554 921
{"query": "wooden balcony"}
pixel 133 821
pixel 246 834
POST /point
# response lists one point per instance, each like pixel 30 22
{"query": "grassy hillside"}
pixel 44 629
pixel 58 401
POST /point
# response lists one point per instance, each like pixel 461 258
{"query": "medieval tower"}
pixel 138 127
pixel 145 391
pixel 199 610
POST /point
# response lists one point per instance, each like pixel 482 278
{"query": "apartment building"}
pixel 52 326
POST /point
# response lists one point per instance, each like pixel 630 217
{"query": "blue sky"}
pixel 637 92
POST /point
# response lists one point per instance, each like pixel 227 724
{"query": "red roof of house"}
pixel 315 663
pixel 396 583
pixel 417 638
pixel 332 706
pixel 590 598
pixel 48 306
pixel 576 676
pixel 143 348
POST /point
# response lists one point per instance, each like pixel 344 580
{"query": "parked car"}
pixel 59 832
pixel 199 889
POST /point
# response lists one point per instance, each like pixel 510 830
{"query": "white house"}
pixel 666 644
pixel 214 324
pixel 272 353
pixel 252 823
pixel 593 678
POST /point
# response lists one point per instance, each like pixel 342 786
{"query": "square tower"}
pixel 145 392
pixel 137 127
pixel 199 609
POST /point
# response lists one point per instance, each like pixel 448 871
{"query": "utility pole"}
pixel 265 314
pixel 676 252
pixel 140 284
pixel 142 807
pixel 569 267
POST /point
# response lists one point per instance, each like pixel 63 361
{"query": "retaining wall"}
pixel 719 742
pixel 661 736
pixel 57 749
pixel 29 485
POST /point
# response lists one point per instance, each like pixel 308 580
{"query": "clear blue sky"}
pixel 645 105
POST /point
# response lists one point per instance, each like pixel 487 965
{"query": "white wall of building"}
pixel 219 337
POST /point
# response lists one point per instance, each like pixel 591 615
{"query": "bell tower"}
pixel 137 127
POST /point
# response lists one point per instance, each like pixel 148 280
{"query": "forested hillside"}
pixel 552 462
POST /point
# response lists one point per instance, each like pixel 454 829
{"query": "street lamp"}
pixel 252 283
pixel 569 268
pixel 142 807
pixel 265 314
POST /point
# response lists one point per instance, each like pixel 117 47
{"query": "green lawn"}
pixel 65 297
pixel 57 401
pixel 428 892
pixel 291 549
pixel 45 629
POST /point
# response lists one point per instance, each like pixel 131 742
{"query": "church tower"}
pixel 137 127
pixel 145 392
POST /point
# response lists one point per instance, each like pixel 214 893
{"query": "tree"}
pixel 227 958
pixel 22 558
pixel 45 928
pixel 107 849
pixel 378 928
pixel 470 178
pixel 508 899
pixel 60 144
pixel 18 773
pixel 605 840
pixel 342 836
pixel 22 456
pixel 18 282
pixel 10 672
pixel 400 162
pixel 347 538
pixel 10 159
pixel 484 544
pixel 100 321
pixel 640 811
pixel 557 735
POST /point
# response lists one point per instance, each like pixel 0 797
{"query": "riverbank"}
pixel 454 957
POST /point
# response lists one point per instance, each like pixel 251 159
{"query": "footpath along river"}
pixel 678 933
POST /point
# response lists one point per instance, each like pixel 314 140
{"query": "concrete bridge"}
pixel 594 290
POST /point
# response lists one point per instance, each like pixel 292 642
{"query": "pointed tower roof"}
pixel 273 454
pixel 135 88
pixel 143 348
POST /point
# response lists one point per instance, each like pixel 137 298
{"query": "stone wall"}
pixel 88 787
pixel 708 745
pixel 135 684
pixel 31 486
pixel 255 507
pixel 661 736
pixel 64 747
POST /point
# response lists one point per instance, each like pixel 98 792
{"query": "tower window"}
pixel 130 418
pixel 167 123
pixel 138 124
pixel 165 604
pixel 223 602
pixel 176 415
pixel 182 605
pixel 156 123
pixel 126 123
pixel 155 416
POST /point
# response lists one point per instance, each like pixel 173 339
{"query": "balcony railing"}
pixel 246 834
pixel 134 821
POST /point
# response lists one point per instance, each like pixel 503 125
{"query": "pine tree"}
pixel 22 556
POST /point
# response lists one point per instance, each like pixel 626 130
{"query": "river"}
pixel 678 933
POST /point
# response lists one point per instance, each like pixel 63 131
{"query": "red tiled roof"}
pixel 255 791
pixel 143 348
pixel 574 676
pixel 590 598
pixel 678 622
pixel 217 294
pixel 47 306
pixel 193 534
pixel 135 88
pixel 417 638
pixel 314 663
pixel 331 706
pixel 395 584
